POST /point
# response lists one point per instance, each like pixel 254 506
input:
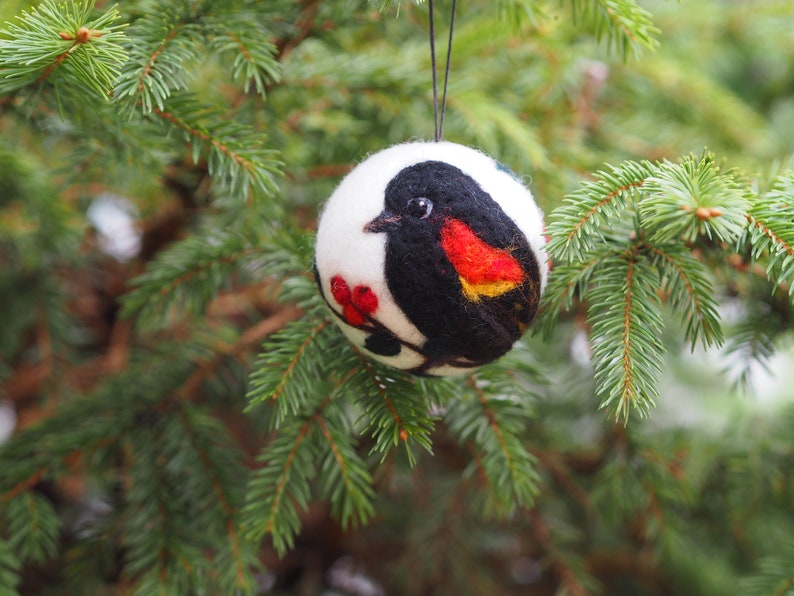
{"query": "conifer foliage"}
pixel 191 421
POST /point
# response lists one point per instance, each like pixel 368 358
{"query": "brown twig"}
pixel 249 338
pixel 543 536
pixel 305 24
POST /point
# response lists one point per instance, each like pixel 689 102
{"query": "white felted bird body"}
pixel 431 257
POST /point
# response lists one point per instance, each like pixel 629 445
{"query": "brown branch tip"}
pixel 83 35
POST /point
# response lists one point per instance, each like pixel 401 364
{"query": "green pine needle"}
pixel 60 43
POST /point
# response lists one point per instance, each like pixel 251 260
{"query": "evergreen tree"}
pixel 189 421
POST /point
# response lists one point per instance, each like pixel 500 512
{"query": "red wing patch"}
pixel 475 260
pixel 483 270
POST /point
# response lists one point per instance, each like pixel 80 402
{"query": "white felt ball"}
pixel 431 257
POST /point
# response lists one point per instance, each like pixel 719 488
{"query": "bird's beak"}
pixel 383 223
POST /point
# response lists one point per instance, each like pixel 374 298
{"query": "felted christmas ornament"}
pixel 431 257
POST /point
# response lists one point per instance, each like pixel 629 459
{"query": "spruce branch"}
pixel 626 333
pixel 156 528
pixel 571 569
pixel 559 468
pixel 623 25
pixel 281 485
pixel 395 408
pixel 519 12
pixel 680 85
pixel 287 367
pixel 442 542
pixel 489 119
pixel 47 453
pixel 775 574
pixel 236 157
pixel 626 26
pixel 241 38
pixel 568 281
pixel 218 459
pixel 184 473
pixel 385 5
pixel 91 425
pixel 184 278
pixel 771 230
pixel 9 568
pixel 692 199
pixel 691 293
pixel 766 317
pixel 345 480
pixel 652 214
pixel 575 226
pixel 169 41
pixel 33 527
pixel 165 42
pixel 123 150
pixel 61 43
pixel 26 482
pixel 494 425
pixel 251 337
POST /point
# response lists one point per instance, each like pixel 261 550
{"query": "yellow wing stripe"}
pixel 474 292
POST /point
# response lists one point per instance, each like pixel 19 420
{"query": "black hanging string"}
pixel 439 114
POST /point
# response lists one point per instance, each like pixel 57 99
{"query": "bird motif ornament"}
pixel 431 257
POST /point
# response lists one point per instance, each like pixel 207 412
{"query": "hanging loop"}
pixel 438 113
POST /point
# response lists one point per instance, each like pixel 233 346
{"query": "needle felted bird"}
pixel 431 257
pixel 473 283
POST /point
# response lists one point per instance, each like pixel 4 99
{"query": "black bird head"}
pixel 419 197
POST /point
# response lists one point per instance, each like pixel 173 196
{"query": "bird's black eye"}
pixel 419 207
